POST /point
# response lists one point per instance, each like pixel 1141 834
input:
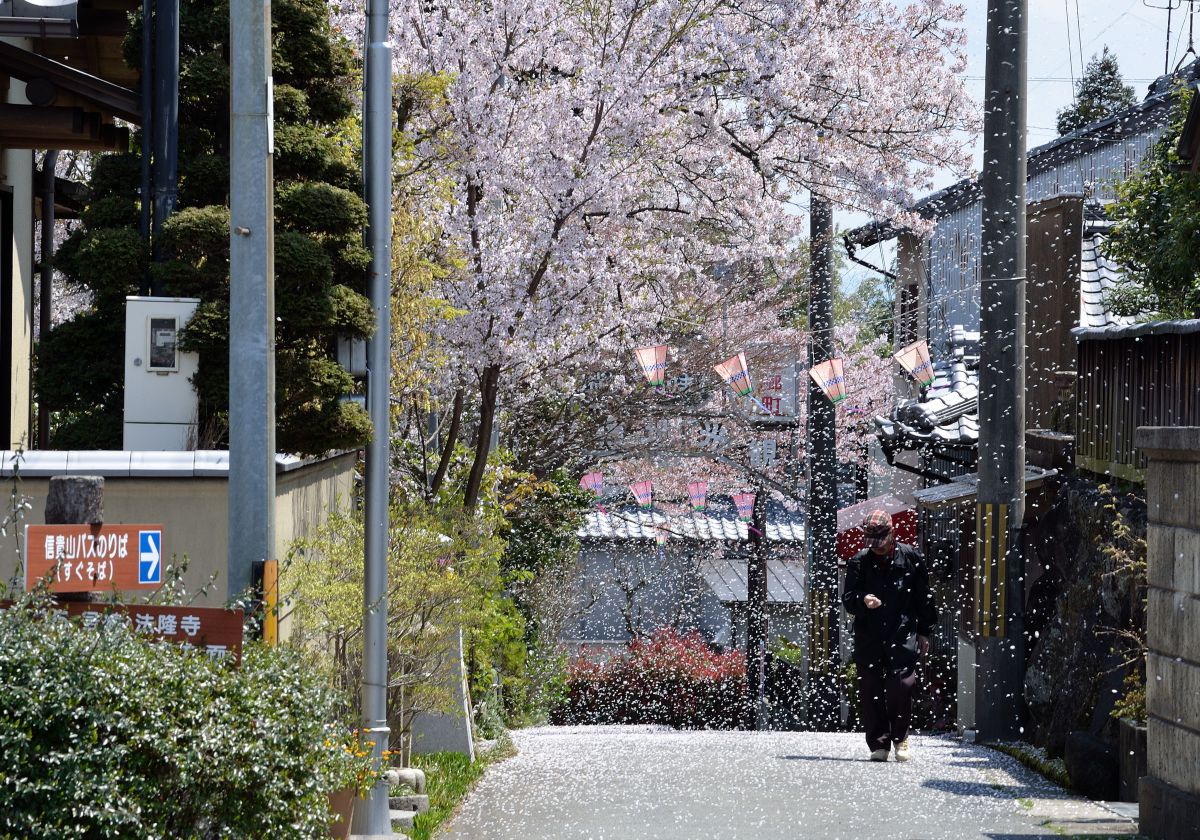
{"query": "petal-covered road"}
pixel 644 783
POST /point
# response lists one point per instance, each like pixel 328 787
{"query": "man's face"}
pixel 885 546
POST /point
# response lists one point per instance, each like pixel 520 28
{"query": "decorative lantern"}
pixel 830 379
pixel 745 506
pixel 660 536
pixel 593 481
pixel 915 359
pixel 733 371
pixel 698 494
pixel 643 491
pixel 653 361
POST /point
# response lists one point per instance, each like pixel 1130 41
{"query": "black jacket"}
pixel 887 635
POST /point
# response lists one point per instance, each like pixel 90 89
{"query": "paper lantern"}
pixel 830 379
pixel 643 491
pixel 733 371
pixel 745 506
pixel 653 361
pixel 593 481
pixel 915 359
pixel 660 536
pixel 698 494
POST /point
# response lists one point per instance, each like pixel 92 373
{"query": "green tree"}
pixel 320 261
pixel 1156 235
pixel 1100 92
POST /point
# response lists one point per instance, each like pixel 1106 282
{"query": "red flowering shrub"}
pixel 670 678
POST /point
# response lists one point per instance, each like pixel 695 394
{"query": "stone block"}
pixel 1160 555
pixel 1171 497
pixel 1187 559
pixel 1169 443
pixel 1173 623
pixel 1166 813
pixel 1173 754
pixel 1173 692
pixel 1131 743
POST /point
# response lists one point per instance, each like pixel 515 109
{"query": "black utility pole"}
pixel 756 608
pixel 824 613
pixel 999 565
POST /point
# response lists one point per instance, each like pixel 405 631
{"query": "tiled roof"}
pixel 726 577
pixel 719 522
pixel 1097 276
pixel 947 412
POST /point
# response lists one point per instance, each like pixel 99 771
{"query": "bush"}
pixel 671 678
pixel 105 734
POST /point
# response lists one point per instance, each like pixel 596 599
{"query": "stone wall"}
pixel 1170 793
pixel 1083 593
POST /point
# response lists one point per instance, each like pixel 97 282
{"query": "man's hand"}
pixel 922 645
pixel 871 601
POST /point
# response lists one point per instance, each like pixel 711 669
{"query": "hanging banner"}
pixel 653 361
pixel 745 506
pixel 593 481
pixel 915 359
pixel 829 378
pixel 698 494
pixel 643 491
pixel 733 371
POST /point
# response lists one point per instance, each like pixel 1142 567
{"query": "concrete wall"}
pixel 1170 793
pixel 16 174
pixel 195 511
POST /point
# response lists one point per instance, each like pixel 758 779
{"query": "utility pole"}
pixel 46 287
pixel 999 561
pixel 824 613
pixel 756 608
pixel 251 295
pixel 374 819
pixel 164 120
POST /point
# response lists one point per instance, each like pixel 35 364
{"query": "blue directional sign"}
pixel 149 556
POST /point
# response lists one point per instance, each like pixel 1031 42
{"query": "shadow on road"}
pixel 823 758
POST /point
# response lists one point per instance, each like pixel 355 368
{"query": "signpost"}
pixel 216 632
pixel 94 558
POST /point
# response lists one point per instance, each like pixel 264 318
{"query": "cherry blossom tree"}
pixel 593 163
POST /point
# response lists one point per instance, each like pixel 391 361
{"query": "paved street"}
pixel 638 783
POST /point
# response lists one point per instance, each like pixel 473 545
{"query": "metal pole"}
pixel 821 526
pixel 165 119
pixel 377 177
pixel 1000 574
pixel 46 287
pixel 756 608
pixel 251 295
pixel 147 106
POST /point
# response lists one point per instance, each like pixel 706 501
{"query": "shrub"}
pixel 105 734
pixel 670 678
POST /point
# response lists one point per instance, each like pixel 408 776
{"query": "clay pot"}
pixel 341 808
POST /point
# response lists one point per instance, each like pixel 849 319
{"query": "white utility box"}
pixel 160 402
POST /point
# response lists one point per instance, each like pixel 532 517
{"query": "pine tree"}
pixel 1099 93
pixel 320 261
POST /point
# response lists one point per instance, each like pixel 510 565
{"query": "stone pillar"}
pixel 1170 793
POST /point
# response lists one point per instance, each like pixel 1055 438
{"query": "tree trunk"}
pixel 448 446
pixel 75 500
pixel 489 384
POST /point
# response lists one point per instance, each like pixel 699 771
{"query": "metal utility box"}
pixel 160 402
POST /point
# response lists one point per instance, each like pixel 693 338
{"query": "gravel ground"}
pixel 648 783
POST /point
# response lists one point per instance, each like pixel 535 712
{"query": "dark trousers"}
pixel 885 699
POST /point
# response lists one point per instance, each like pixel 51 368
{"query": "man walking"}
pixel 887 592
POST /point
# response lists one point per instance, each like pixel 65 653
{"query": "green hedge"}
pixel 104 734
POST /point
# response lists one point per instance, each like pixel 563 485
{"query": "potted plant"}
pixel 351 774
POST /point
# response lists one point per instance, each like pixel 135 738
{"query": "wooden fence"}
pixel 1151 379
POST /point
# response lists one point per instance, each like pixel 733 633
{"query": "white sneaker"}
pixel 879 755
pixel 902 751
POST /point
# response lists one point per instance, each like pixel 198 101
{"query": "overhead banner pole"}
pixel 251 295
pixel 377 177
pixel 999 564
pixel 824 612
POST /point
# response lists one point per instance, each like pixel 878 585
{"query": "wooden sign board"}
pixel 94 558
pixel 216 632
